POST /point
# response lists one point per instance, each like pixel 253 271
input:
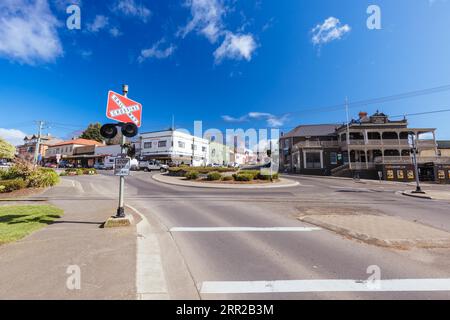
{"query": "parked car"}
pixel 99 166
pixel 65 164
pixel 152 165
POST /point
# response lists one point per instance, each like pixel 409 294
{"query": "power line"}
pixel 421 113
pixel 367 102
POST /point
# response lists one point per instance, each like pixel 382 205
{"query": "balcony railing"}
pixel 388 143
pixel 317 144
pixel 408 160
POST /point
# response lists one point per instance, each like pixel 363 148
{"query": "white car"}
pixel 152 165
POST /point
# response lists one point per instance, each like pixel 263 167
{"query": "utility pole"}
pixel 348 134
pixel 416 166
pixel 38 143
pixel 121 209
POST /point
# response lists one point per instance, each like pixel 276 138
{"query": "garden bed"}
pixel 24 175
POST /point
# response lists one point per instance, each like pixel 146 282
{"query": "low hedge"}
pixel 12 185
pixel 227 178
pixel 214 176
pixel 181 171
pixel 253 173
pixel 275 176
pixel 42 178
pixel 243 177
pixel 192 175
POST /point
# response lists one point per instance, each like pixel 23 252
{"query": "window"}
pixel 181 144
pixel 213 152
pixel 313 160
pixel 333 158
pixel 203 149
pixel 162 144
pixel 147 145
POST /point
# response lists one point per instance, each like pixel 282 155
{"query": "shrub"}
pixel 79 172
pixel 253 173
pixel 90 171
pixel 275 176
pixel 63 174
pixel 214 176
pixel 192 175
pixel 20 170
pixel 227 178
pixel 12 185
pixel 42 179
pixel 243 177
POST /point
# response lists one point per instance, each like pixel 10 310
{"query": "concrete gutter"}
pixel 163 178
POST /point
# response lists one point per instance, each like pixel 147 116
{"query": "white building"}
pixel 172 146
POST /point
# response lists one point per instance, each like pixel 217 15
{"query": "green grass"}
pixel 16 222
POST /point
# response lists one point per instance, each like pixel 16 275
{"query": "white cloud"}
pixel 157 52
pixel 115 32
pixel 236 46
pixel 132 9
pixel 206 19
pixel 63 4
pixel 13 136
pixel 331 29
pixel 28 32
pixel 100 22
pixel 86 54
pixel 271 120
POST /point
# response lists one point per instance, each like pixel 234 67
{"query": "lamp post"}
pixel 416 167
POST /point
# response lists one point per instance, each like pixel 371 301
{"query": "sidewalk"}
pixel 36 267
pixel 181 181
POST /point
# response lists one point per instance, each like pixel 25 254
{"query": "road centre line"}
pixel 302 286
pixel 244 229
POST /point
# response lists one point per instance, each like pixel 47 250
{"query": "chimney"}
pixel 362 115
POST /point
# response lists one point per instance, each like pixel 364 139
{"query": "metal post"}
pixel 121 208
pixel 38 143
pixel 416 167
pixel 348 134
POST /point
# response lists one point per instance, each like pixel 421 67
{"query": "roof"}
pixel 318 130
pixel 80 141
pixel 443 144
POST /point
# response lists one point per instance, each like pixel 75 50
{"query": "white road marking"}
pixel 301 286
pixel 243 229
pixel 150 280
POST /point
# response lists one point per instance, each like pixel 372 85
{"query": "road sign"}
pixel 123 109
pixel 122 166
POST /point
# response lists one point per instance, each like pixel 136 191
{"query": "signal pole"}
pixel 416 166
pixel 121 208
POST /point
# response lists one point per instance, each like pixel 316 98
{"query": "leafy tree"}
pixel 7 150
pixel 92 132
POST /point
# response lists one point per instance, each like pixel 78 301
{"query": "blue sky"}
pixel 228 63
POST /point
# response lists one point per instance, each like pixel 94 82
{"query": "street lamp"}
pixel 414 158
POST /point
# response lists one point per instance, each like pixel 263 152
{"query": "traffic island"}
pixel 115 222
pixel 383 231
pixel 183 182
pixel 417 195
pixel 430 195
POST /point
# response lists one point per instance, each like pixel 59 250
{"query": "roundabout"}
pixel 181 181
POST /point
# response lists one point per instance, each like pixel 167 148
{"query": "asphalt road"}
pixel 250 261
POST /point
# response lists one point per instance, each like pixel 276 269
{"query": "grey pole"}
pixel 38 143
pixel 121 209
pixel 416 167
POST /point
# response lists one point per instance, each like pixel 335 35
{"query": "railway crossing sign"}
pixel 123 109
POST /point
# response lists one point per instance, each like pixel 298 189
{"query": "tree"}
pixel 7 150
pixel 93 132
